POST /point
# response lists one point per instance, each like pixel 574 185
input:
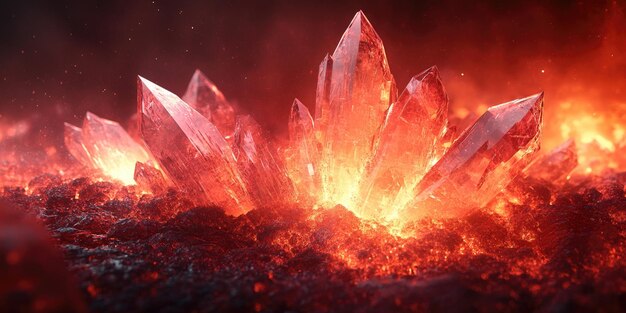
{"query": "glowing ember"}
pixel 105 145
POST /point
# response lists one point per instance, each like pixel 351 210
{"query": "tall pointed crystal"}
pixel 485 158
pixel 190 149
pixel 556 164
pixel 261 169
pixel 301 155
pixel 322 102
pixel 355 88
pixel 204 96
pixel 111 149
pixel 73 137
pixel 406 145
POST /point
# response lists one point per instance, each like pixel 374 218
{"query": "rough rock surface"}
pixel 546 250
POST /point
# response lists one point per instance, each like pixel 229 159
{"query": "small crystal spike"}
pixel 407 144
pixel 111 149
pixel 322 105
pixel 149 178
pixel 190 149
pixel 260 167
pixel 73 137
pixel 485 158
pixel 355 88
pixel 555 165
pixel 204 96
pixel 302 153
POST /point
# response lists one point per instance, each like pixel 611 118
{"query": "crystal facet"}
pixel 406 145
pixel 555 165
pixel 73 137
pixel 482 161
pixel 149 178
pixel 105 145
pixel 204 96
pixel 355 88
pixel 190 149
pixel 260 167
pixel 302 153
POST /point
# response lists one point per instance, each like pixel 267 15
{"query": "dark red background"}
pixel 66 57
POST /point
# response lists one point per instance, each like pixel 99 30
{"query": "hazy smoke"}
pixel 71 56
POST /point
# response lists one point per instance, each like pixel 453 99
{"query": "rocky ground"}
pixel 549 249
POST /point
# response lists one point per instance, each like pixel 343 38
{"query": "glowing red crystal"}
pixel 105 145
pixel 355 88
pixel 190 149
pixel 260 167
pixel 204 96
pixel 556 164
pixel 302 154
pixel 482 161
pixel 149 178
pixel 73 137
pixel 407 144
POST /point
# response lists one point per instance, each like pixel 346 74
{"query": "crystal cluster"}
pixel 381 155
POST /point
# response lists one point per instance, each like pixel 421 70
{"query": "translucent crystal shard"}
pixel 555 165
pixel 482 161
pixel 149 178
pixel 260 167
pixel 111 149
pixel 204 96
pixel 73 137
pixel 322 103
pixel 190 149
pixel 302 152
pixel 406 145
pixel 355 88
